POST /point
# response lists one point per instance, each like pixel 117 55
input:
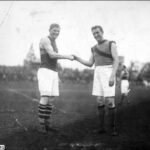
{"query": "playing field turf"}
pixel 75 115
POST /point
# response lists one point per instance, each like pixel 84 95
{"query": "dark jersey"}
pixel 102 53
pixel 46 61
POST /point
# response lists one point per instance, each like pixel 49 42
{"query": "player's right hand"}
pixel 71 57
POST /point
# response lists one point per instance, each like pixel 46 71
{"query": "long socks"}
pixel 44 113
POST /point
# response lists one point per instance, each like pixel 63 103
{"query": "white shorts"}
pixel 101 82
pixel 124 86
pixel 48 82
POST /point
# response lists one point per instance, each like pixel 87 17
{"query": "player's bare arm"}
pixel 115 64
pixel 88 63
pixel 45 43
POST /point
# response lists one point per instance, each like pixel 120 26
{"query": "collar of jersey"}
pixel 101 42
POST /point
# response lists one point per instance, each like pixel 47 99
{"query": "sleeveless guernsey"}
pixel 46 61
pixel 102 53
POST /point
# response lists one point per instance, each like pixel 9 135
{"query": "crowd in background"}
pixel 28 73
pixel 24 73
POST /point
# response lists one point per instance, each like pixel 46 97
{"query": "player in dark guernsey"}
pixel 48 76
pixel 104 56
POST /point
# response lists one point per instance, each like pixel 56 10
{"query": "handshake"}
pixel 72 57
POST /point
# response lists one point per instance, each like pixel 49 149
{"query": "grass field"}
pixel 75 114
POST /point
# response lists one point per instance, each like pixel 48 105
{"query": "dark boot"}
pixel 49 127
pixel 42 129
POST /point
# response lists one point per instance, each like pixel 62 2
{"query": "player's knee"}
pixel 51 98
pixel 44 100
pixel 110 102
pixel 100 101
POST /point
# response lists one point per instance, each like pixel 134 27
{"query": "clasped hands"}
pixel 72 57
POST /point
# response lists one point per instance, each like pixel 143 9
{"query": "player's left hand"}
pixel 111 81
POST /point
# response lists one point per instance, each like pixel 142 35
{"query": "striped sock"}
pixel 44 113
pixel 49 108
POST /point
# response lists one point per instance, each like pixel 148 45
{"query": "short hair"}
pixel 53 25
pixel 97 26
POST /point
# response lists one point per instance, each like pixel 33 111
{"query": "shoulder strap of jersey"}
pixel 110 42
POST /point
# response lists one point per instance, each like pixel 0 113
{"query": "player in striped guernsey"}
pixel 104 56
pixel 48 75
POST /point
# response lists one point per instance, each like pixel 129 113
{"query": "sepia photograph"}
pixel 74 75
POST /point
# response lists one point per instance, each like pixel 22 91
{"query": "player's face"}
pixel 54 32
pixel 98 34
